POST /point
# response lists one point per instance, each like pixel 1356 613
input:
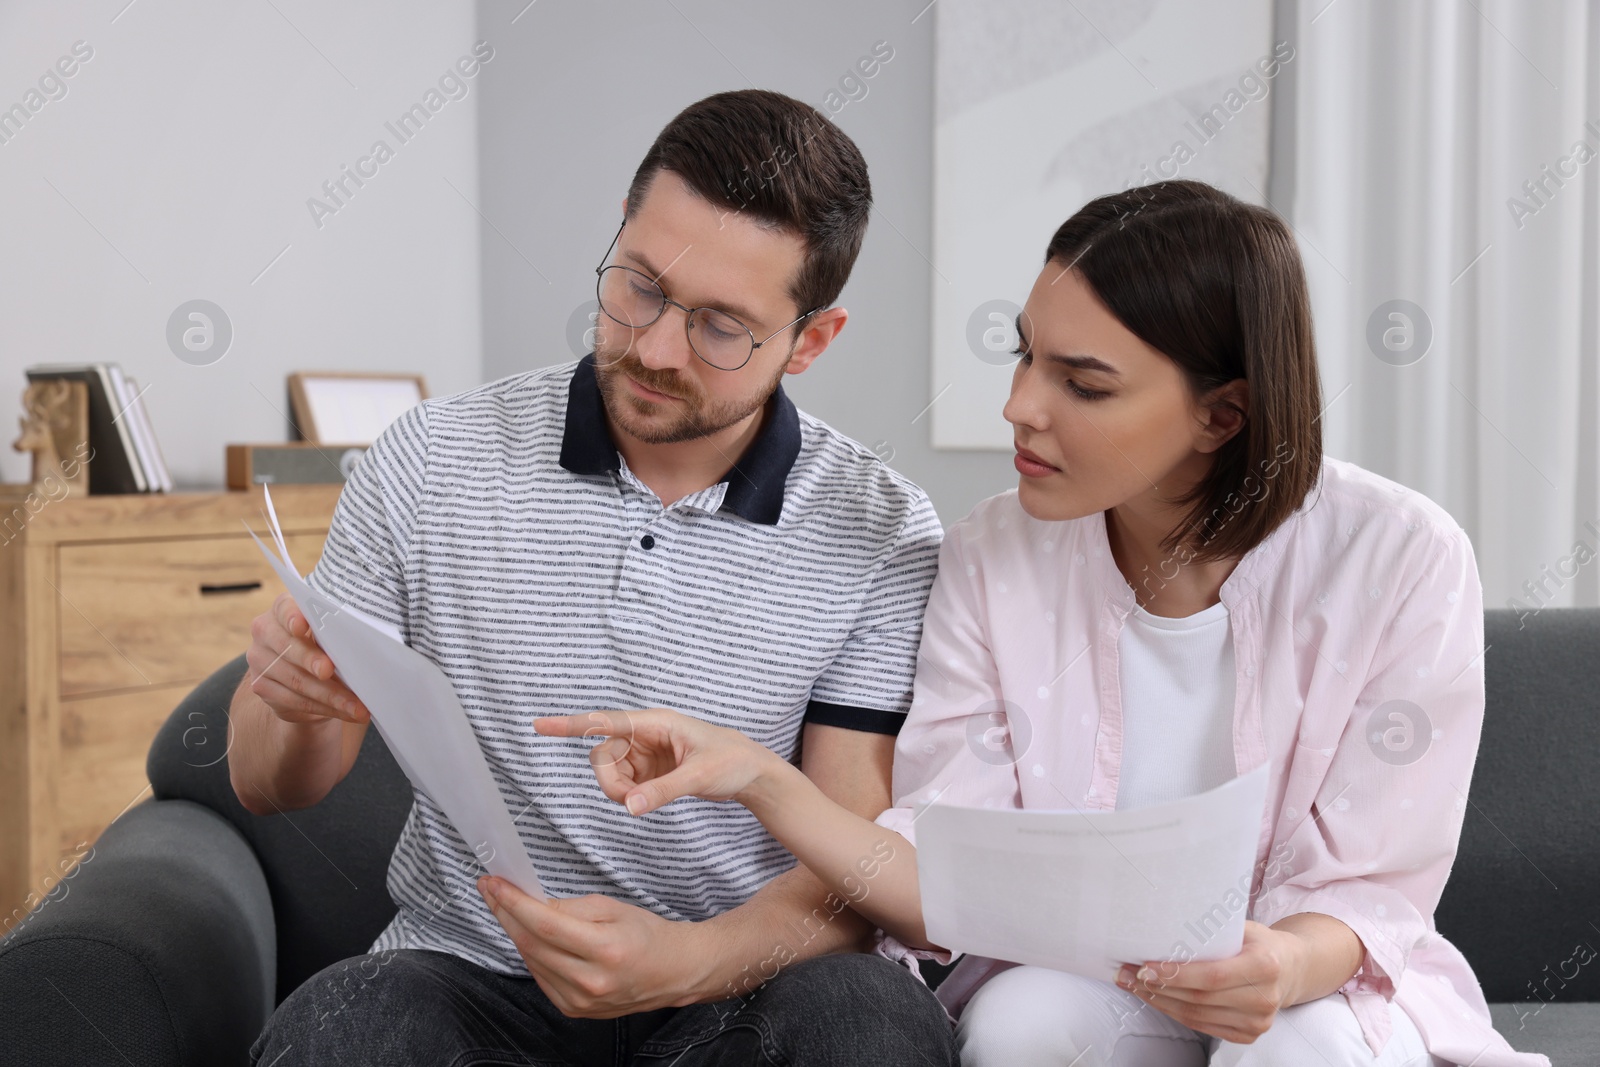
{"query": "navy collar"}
pixel 755 482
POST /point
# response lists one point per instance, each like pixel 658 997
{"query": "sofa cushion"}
pixel 157 949
pixel 1525 887
pixel 1567 1033
pixel 325 865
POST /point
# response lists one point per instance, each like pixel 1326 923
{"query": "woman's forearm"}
pixel 1329 954
pixel 873 868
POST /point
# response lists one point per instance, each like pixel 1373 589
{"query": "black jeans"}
pixel 421 1008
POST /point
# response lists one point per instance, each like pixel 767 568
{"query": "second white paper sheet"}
pixel 1088 891
pixel 419 716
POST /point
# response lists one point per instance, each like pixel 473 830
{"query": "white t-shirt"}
pixel 1177 705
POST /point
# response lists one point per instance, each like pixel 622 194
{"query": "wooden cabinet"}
pixel 111 609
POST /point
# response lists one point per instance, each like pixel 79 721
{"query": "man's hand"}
pixel 599 958
pixel 294 727
pixel 1235 999
pixel 292 674
pixel 596 957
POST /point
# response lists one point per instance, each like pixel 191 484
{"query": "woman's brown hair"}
pixel 1217 286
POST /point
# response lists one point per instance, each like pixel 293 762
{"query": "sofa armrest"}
pixel 159 945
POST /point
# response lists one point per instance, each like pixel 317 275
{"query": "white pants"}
pixel 1034 1017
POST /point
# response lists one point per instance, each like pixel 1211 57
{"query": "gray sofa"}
pixel 193 918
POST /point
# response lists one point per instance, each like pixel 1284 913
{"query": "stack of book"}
pixel 124 454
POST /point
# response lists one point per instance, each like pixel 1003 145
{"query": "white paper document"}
pixel 1086 892
pixel 419 716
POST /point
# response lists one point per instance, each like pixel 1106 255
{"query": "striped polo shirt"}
pixel 505 537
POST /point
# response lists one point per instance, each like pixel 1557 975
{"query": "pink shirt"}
pixel 1357 629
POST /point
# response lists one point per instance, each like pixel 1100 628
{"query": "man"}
pixel 655 525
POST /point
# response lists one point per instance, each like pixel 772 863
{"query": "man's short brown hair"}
pixel 779 162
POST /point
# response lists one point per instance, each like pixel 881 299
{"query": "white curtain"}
pixel 1447 153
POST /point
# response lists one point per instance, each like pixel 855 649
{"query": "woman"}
pixel 1180 589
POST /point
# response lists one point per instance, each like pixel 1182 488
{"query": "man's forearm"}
pixel 791 918
pixel 276 765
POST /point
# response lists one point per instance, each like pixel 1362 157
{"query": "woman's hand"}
pixel 1235 999
pixel 652 757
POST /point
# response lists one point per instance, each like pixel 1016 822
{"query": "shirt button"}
pixel 647 542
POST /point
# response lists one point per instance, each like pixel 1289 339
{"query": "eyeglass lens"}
pixel 634 300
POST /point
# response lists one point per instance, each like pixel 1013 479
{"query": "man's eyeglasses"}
pixel 633 299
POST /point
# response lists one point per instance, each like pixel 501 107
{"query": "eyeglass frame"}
pixel 688 312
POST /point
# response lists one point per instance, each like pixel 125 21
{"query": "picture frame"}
pixel 350 407
pixel 1164 102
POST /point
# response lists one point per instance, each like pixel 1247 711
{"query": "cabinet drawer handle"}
pixel 228 587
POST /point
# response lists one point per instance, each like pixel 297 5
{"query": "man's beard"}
pixel 695 417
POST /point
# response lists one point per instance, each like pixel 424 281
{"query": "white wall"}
pixel 178 166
